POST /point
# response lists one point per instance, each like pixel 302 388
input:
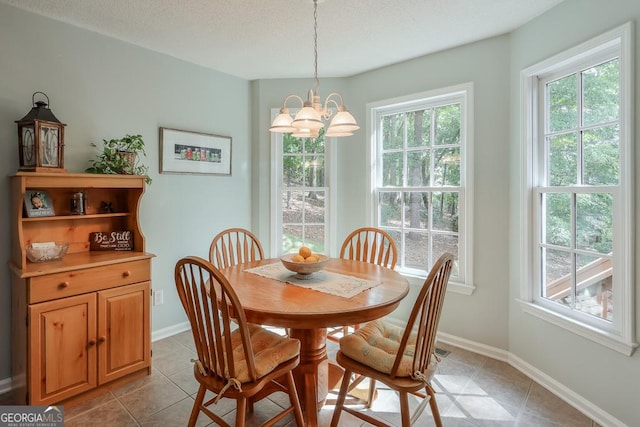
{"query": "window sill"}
pixel 606 339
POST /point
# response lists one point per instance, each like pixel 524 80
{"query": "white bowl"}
pixel 304 268
pixel 46 253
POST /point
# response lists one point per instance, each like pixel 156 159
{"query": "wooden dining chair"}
pixel 367 244
pixel 236 360
pixel 234 246
pixel 402 359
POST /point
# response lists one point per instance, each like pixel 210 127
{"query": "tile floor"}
pixel 473 390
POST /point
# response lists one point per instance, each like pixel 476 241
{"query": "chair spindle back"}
pixel 234 246
pixel 372 245
pixel 211 303
pixel 425 316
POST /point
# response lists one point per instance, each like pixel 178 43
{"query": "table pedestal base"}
pixel 315 375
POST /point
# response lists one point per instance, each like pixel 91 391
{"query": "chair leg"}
pixel 341 396
pixel 196 406
pixel 295 401
pixel 405 413
pixel 434 405
pixel 241 412
pixel 372 390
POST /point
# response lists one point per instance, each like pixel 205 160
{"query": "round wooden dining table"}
pixel 307 313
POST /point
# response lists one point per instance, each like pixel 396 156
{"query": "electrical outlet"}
pixel 158 297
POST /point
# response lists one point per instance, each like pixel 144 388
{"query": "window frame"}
pixel 463 94
pixel 618 334
pixel 277 188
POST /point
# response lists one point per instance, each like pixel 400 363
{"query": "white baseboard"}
pixel 171 330
pixel 476 347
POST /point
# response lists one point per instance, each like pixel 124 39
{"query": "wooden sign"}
pixel 111 241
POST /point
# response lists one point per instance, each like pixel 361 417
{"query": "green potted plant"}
pixel 120 156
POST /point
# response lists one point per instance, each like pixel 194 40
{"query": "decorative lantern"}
pixel 41 139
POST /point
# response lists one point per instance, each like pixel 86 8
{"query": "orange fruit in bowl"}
pixel 297 258
pixel 311 258
pixel 304 252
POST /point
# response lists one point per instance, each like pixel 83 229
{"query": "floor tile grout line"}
pixel 181 344
pixel 127 409
pixel 523 405
pixel 454 397
pixel 159 372
pixel 125 406
pixel 91 408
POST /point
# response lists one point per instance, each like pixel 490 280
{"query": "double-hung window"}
pixel 578 190
pixel 421 194
pixel 301 201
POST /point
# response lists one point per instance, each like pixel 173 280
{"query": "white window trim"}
pixel 622 338
pixel 276 191
pixel 466 170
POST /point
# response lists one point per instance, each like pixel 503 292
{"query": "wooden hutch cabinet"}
pixel 82 323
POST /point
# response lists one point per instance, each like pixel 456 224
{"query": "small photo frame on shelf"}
pixel 194 152
pixel 38 203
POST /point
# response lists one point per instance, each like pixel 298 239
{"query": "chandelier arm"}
pixel 329 99
pixel 336 94
pixel 326 111
pixel 332 101
pixel 284 103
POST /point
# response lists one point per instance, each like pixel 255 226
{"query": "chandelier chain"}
pixel 315 43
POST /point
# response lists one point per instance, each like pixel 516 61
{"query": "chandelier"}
pixel 309 119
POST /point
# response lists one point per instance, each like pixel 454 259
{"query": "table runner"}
pixel 322 281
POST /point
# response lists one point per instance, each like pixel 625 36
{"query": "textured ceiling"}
pixel 262 39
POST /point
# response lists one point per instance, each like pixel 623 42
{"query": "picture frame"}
pixel 38 203
pixel 187 152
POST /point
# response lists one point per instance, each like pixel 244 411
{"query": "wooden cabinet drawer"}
pixel 76 282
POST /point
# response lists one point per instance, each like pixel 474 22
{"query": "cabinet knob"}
pixel 63 285
pixel 91 343
pixel 126 274
pixel 102 339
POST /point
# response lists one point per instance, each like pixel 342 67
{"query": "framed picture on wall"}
pixel 38 203
pixel 189 152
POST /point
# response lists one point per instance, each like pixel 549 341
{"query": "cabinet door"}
pixel 124 340
pixel 62 346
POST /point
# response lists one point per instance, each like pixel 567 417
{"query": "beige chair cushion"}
pixel 376 345
pixel 269 348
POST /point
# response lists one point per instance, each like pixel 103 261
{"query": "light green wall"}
pixel 104 88
pixel 602 376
